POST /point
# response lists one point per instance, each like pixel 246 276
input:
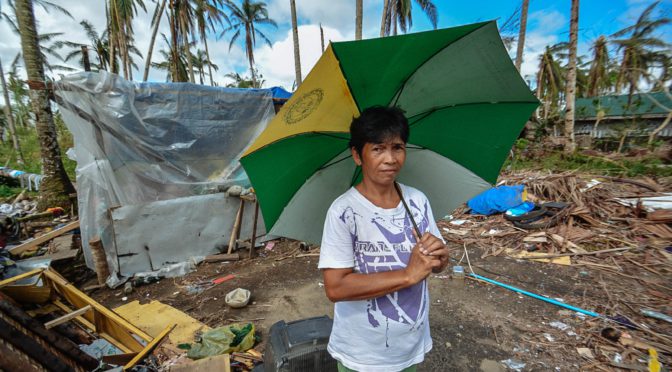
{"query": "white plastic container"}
pixel 238 298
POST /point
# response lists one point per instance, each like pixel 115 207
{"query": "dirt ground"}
pixel 474 325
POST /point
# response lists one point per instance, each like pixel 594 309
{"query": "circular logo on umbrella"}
pixel 304 106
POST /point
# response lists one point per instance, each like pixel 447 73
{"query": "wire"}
pixel 468 262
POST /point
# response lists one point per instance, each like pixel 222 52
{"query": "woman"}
pixel 373 260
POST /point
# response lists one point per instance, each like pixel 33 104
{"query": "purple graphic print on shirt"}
pixel 391 252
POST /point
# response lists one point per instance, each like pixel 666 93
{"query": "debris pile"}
pixel 614 232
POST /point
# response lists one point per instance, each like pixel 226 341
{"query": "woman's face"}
pixel 381 162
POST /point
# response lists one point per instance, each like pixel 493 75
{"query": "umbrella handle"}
pixel 408 211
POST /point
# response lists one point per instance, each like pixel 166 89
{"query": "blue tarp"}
pixel 497 199
pixel 280 93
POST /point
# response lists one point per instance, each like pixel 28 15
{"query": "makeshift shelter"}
pixel 152 162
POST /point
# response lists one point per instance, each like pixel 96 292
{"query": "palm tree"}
pixel 243 81
pixel 174 63
pixel 208 14
pixel 521 34
pixel 156 21
pixel 120 30
pixel 246 18
pixel 182 16
pixel 98 43
pixel 200 61
pixel 640 49
pixel 550 82
pixel 598 77
pixel 10 119
pixel 399 12
pixel 43 39
pixel 295 36
pixel 384 16
pixel 665 74
pixel 18 88
pixel 55 186
pixel 183 23
pixel 570 145
pixel 358 18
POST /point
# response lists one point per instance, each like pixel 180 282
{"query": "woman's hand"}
pixel 425 257
pixel 433 246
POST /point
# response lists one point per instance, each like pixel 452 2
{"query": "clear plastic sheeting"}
pixel 138 143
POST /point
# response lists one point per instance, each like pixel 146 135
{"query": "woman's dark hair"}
pixel 377 124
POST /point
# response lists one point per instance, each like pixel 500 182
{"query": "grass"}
pixel 30 147
pixel 556 161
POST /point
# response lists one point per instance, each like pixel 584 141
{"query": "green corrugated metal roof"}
pixel 641 104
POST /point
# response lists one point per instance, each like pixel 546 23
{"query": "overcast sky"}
pixel 548 24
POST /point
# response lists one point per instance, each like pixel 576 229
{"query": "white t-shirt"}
pixel 391 332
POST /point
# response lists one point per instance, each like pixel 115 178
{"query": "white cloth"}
pixel 391 332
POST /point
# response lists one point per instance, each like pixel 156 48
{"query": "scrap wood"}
pixel 647 185
pixel 42 239
pixel 456 232
pixel 102 320
pixel 153 317
pixel 55 340
pixel 16 278
pixel 118 359
pixel 660 230
pixel 539 257
pixel 622 249
pixel 55 257
pixel 660 216
pixel 222 257
pixel 566 243
pixel 150 347
pixel 67 317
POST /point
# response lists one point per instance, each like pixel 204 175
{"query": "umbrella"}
pixel 465 102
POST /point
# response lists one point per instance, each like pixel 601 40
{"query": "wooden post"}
pixel 254 228
pixel 99 259
pixel 235 232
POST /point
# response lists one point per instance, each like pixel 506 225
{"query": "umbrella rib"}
pixel 418 117
pixel 331 135
pixel 334 163
pixel 403 85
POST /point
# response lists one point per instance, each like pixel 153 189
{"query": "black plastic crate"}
pixel 299 346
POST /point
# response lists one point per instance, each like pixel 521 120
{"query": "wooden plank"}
pixel 54 257
pixel 106 321
pixel 253 240
pixel 214 363
pixel 61 243
pixel 20 276
pixel 44 238
pixel 67 317
pixel 148 349
pixel 119 359
pixel 90 326
pixel 222 257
